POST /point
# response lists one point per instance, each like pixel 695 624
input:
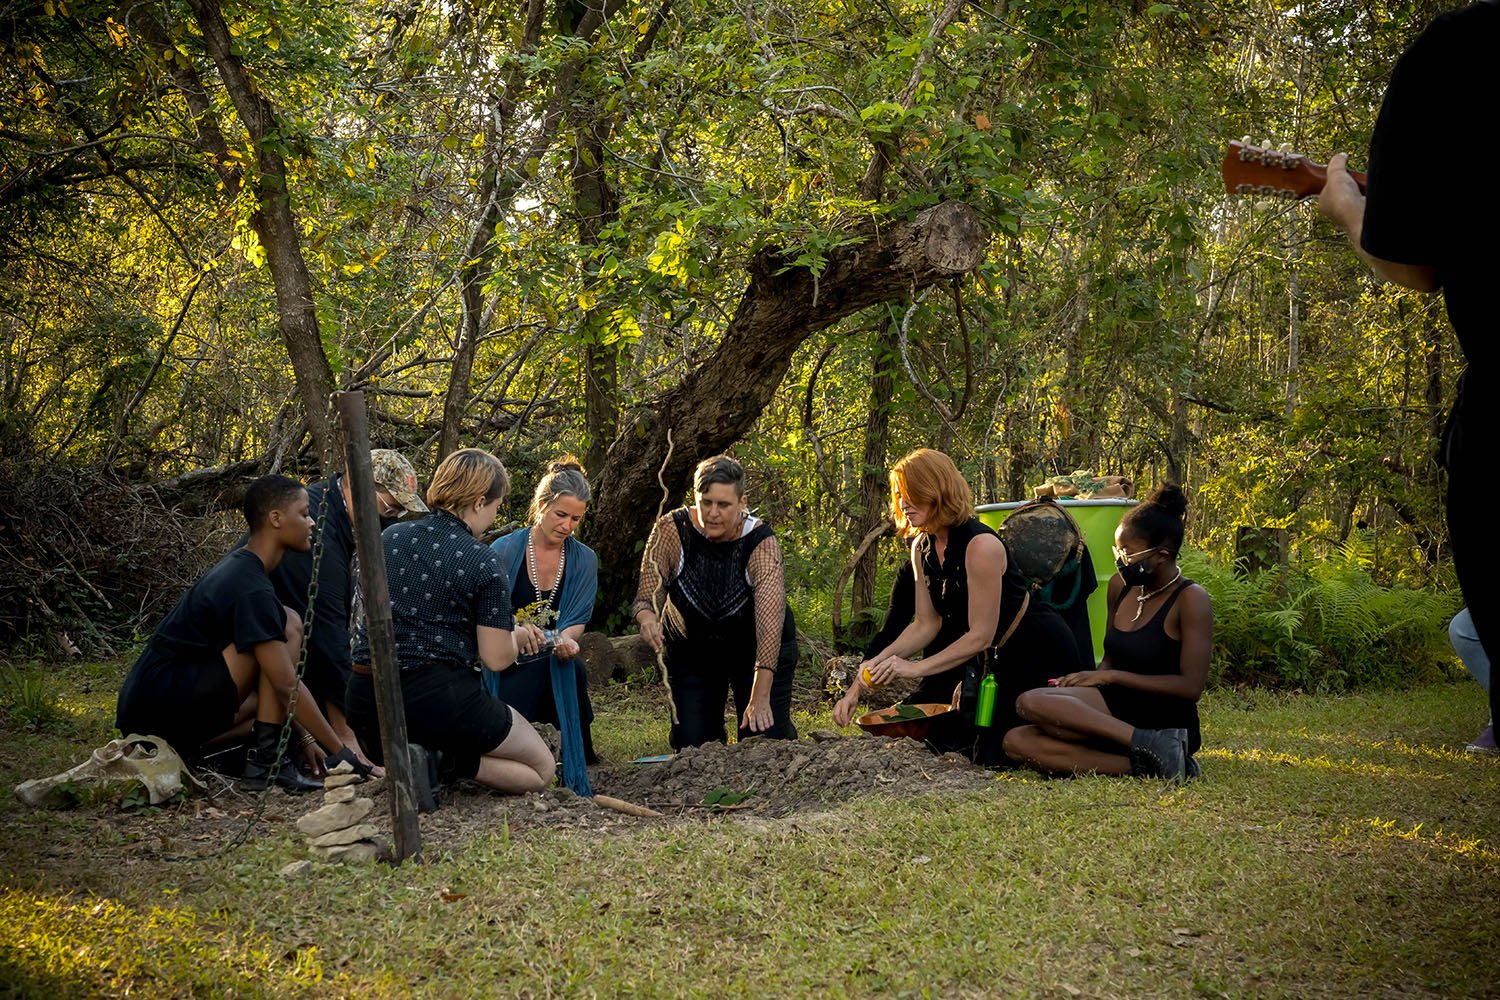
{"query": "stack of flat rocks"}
pixel 337 831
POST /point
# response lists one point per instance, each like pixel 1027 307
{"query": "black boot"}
pixel 1159 753
pixel 424 775
pixel 261 761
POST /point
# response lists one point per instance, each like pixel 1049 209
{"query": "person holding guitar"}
pixel 1429 232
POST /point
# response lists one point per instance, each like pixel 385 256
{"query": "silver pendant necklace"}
pixel 1143 597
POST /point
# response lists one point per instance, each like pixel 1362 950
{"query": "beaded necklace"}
pixel 536 581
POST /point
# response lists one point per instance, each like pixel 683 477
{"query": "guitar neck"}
pixel 1251 169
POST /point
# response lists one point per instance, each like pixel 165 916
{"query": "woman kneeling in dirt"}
pixel 450 606
pixel 712 597
pixel 553 579
pixel 1138 712
pixel 966 596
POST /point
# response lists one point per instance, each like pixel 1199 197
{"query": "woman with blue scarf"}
pixel 553 580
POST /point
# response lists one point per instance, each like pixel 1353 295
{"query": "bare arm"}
pixel 1342 202
pixel 658 568
pixel 497 647
pixel 275 661
pixel 925 623
pixel 923 628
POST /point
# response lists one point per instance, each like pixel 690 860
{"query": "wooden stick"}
pixel 389 706
pixel 628 808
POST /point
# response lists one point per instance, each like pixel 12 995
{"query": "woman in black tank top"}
pixel 1138 712
pixel 963 595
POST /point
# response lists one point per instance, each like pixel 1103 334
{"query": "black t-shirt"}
pixel 1431 200
pixel 232 603
pixel 329 637
pixel 444 583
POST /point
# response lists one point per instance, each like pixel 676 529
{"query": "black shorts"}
pixel 185 703
pixel 446 710
pixel 328 681
pixel 1152 711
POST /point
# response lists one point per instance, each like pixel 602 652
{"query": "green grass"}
pixel 1337 847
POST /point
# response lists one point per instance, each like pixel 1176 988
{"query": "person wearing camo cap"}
pixel 328 660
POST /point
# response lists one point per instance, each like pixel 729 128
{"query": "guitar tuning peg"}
pixel 1245 141
pixel 1285 149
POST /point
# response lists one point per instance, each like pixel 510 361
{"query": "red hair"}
pixel 931 479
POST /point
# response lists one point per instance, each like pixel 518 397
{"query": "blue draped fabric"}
pixel 575 606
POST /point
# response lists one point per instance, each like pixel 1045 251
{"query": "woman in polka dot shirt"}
pixel 450 605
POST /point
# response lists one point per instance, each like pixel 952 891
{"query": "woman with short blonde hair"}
pixel 451 610
pixel 466 477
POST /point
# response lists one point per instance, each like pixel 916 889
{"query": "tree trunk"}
pixel 276 227
pixel 722 397
pixel 874 489
pixel 595 202
pixel 498 187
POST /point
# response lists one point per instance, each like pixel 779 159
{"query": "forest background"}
pixel 817 234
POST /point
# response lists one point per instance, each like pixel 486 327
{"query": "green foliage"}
pixel 1325 626
pixel 1129 317
pixel 30 705
pixel 724 797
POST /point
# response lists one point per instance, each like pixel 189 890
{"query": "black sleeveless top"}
pixel 948 586
pixel 948 581
pixel 1148 650
pixel 711 596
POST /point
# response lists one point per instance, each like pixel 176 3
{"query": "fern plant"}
pixel 1325 627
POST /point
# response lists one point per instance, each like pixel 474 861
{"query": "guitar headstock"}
pixel 1258 169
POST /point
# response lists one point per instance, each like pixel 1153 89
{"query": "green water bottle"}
pixel 984 711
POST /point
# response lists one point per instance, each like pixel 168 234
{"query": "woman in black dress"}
pixel 966 598
pixel 1138 712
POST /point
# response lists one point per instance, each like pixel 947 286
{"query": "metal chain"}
pixel 307 626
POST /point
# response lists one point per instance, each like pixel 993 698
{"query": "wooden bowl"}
pixel 885 723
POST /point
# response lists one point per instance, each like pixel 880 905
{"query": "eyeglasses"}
pixel 1130 558
pixel 389 508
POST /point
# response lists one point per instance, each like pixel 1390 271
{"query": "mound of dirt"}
pixel 756 778
pixel 785 776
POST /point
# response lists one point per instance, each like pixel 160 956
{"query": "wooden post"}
pixel 377 601
pixel 1259 549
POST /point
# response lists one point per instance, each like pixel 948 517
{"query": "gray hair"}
pixel 719 469
pixel 564 478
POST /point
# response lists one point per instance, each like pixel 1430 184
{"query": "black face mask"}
pixel 1136 574
pixel 387 520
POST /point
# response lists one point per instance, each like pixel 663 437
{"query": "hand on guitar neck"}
pixel 1252 169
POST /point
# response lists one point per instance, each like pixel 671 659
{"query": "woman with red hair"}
pixel 966 598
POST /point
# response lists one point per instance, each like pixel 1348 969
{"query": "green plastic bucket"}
pixel 1098 519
